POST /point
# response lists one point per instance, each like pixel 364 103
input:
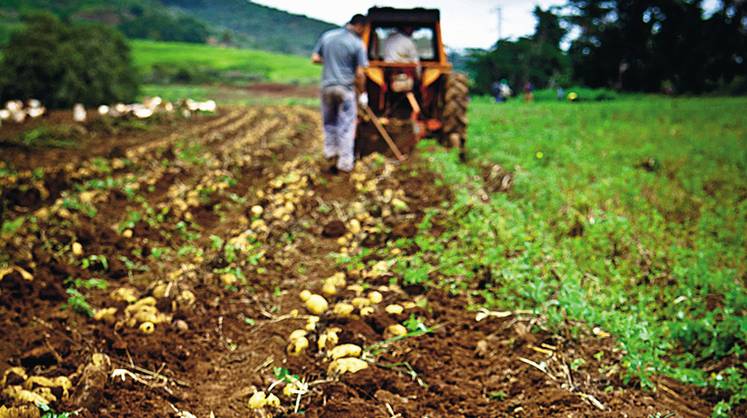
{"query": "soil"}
pixel 223 343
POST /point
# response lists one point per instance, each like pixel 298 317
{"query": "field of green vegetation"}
pixel 627 215
pixel 166 62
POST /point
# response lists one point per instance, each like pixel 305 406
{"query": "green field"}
pixel 627 215
pixel 181 62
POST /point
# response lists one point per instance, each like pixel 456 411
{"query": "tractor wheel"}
pixel 454 116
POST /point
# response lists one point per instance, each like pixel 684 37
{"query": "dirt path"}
pixel 209 233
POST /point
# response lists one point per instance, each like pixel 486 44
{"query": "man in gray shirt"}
pixel 344 57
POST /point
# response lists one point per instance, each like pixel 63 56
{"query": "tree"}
pixel 639 45
pixel 61 64
pixel 537 59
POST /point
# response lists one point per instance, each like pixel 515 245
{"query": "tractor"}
pixel 408 101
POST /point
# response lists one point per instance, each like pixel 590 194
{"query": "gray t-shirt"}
pixel 342 52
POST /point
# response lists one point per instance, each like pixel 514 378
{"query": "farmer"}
pixel 344 57
pixel 400 47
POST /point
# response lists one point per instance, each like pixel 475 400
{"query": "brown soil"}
pixel 216 349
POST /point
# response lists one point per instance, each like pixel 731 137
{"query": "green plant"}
pixel 78 303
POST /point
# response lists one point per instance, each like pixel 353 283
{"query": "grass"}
pixel 629 215
pixel 193 62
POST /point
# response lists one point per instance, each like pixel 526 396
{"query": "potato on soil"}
pixel 394 309
pixel 346 365
pixel 395 330
pixel 258 400
pixel 343 309
pixel 298 346
pixel 316 304
pixel 77 249
pixel 304 295
pixel 360 302
pixel 375 297
pixel 297 334
pixel 344 350
pixel 147 328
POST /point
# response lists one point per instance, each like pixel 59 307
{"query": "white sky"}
pixel 464 23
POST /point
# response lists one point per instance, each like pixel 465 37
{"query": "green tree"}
pixel 537 59
pixel 63 64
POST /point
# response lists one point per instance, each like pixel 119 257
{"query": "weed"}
pixel 78 303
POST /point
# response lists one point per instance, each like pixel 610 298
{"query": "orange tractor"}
pixel 410 100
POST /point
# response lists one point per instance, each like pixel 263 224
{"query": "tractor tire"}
pixel 454 115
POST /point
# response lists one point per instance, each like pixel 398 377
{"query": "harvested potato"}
pixel 311 322
pixel 298 346
pixel 394 309
pixel 106 314
pixel 316 304
pixel 375 297
pixel 77 249
pixel 358 289
pixel 360 302
pixel 257 210
pixel 147 328
pixel 304 295
pixel 409 305
pixel 258 400
pixel 343 309
pixel 344 350
pixel 346 365
pixel 395 330
pixel 328 339
pixel 329 288
pixel 127 233
pixel 272 401
pixel 297 334
pixel 367 310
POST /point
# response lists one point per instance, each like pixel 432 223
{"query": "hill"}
pixel 237 23
pixel 258 26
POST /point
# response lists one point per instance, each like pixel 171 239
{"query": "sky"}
pixel 464 23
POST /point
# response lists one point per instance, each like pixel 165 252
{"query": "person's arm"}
pixel 362 63
pixel 316 55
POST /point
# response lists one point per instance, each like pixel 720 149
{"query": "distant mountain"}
pixel 231 22
pixel 257 26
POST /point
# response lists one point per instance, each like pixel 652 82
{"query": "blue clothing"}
pixel 342 52
pixel 339 114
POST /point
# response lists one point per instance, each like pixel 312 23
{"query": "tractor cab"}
pixel 406 94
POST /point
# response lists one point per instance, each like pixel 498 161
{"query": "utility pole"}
pixel 499 11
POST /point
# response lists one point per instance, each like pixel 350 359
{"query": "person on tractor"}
pixel 400 47
pixel 344 57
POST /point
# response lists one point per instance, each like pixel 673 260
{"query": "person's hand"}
pixel 363 99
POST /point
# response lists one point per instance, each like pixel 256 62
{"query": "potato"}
pixel 394 309
pixel 304 295
pixel 298 346
pixel 346 365
pixel 316 304
pixel 77 249
pixel 375 297
pixel 127 233
pixel 360 302
pixel 329 288
pixel 257 210
pixel 106 314
pixel 328 339
pixel 147 328
pixel 409 305
pixel 258 400
pixel 395 330
pixel 343 309
pixel 297 334
pixel 354 226
pixel 311 323
pixel 367 310
pixel 272 401
pixel 344 350
pixel 358 289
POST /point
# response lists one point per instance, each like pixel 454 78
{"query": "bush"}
pixel 61 64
